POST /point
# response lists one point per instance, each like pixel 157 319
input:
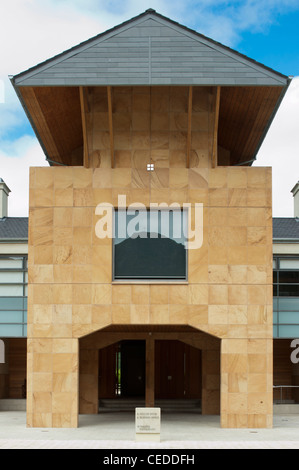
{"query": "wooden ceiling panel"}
pixel 56 116
pixel 244 117
pixel 245 113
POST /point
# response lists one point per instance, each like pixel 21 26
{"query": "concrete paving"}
pixel 116 430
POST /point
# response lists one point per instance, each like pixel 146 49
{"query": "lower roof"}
pixel 16 228
pixel 13 229
pixel 286 228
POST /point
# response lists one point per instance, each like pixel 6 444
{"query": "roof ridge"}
pixel 149 12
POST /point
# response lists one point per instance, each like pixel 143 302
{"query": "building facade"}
pixel 124 355
pixel 146 123
pixel 286 305
pixel 13 300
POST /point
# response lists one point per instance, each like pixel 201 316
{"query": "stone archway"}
pixel 91 344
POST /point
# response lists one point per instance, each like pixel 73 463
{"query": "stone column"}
pixel 89 372
pixel 210 382
pixel 52 382
pixel 246 383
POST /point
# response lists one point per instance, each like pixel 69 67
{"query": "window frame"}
pixel 149 280
pixel 280 327
pixel 17 329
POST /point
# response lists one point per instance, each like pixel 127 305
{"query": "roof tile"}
pixel 14 228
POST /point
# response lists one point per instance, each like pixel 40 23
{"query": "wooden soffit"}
pixel 244 117
pixel 57 116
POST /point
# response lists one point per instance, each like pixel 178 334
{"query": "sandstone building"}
pixel 147 113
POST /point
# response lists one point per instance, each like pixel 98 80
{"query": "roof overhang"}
pixel 150 50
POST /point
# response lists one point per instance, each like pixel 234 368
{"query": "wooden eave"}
pixel 56 115
pixel 244 117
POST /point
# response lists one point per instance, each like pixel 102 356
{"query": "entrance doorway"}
pixel 132 369
pixel 122 370
pixel 178 370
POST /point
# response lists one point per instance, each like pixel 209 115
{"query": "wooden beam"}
pixel 190 98
pixel 150 372
pixel 40 122
pixel 110 119
pixel 215 134
pixel 84 107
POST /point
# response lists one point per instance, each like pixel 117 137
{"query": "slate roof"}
pixel 13 228
pixel 285 228
pixel 149 49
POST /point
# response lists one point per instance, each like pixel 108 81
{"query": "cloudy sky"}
pixel 32 31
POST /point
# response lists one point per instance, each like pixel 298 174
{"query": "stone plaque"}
pixel 148 424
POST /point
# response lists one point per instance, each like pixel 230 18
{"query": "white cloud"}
pixel 280 150
pixel 32 31
pixel 2 91
pixel 225 21
pixel 14 170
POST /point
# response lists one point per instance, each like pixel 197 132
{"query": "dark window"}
pixel 289 290
pixel 289 277
pixel 150 244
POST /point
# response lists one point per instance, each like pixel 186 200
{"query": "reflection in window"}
pixel 150 244
pixel 13 296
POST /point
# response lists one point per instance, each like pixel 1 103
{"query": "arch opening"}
pixel 139 367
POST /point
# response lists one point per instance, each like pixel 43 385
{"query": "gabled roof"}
pixel 13 229
pixel 149 49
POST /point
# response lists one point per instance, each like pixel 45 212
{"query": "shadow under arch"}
pixel 109 338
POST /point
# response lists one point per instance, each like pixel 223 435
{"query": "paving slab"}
pixel 116 430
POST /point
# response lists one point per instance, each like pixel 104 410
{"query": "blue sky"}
pixel 264 30
pixel 278 47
